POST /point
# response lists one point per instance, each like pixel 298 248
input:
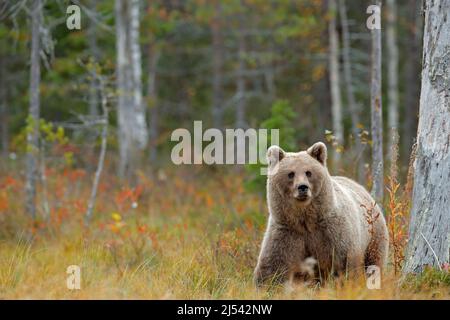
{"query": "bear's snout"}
pixel 302 192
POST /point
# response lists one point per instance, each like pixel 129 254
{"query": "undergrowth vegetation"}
pixel 178 234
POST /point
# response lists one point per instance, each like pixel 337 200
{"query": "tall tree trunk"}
pixel 152 97
pixel 133 135
pixel 429 231
pixel 123 100
pixel 33 132
pixel 376 116
pixel 392 79
pixel 3 108
pixel 336 108
pixel 352 105
pixel 136 74
pixel 322 89
pixel 104 145
pixel 412 75
pixel 217 47
pixel 240 81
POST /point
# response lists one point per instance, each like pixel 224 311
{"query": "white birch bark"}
pixel 376 116
pixel 34 110
pixel 392 76
pixel 429 231
pixel 141 134
pixel 336 107
pixel 133 135
pixel 121 52
pixel 101 158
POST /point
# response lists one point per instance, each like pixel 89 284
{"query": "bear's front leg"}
pixel 279 251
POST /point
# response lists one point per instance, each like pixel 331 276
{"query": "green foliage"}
pixel 282 118
pixel 51 133
pixel 429 278
pixel 48 134
pixel 159 21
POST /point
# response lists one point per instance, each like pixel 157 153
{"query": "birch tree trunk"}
pixel 133 135
pixel 101 158
pixel 33 132
pixel 430 219
pixel 352 105
pixel 141 134
pixel 217 47
pixel 336 108
pixel 392 79
pixel 376 115
pixel 123 99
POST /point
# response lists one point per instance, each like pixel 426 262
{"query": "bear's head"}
pixel 298 177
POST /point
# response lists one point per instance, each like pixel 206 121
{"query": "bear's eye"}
pixel 291 174
pixel 308 174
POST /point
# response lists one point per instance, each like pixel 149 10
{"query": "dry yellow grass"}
pixel 192 236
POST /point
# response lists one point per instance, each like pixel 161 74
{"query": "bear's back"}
pixel 353 189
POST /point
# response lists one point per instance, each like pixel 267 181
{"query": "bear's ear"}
pixel 319 152
pixel 274 155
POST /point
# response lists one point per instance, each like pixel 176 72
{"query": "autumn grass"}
pixel 179 235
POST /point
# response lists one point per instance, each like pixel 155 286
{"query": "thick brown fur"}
pixel 333 220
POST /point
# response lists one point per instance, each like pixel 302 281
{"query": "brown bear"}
pixel 313 216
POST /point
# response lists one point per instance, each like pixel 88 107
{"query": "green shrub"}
pixel 281 117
